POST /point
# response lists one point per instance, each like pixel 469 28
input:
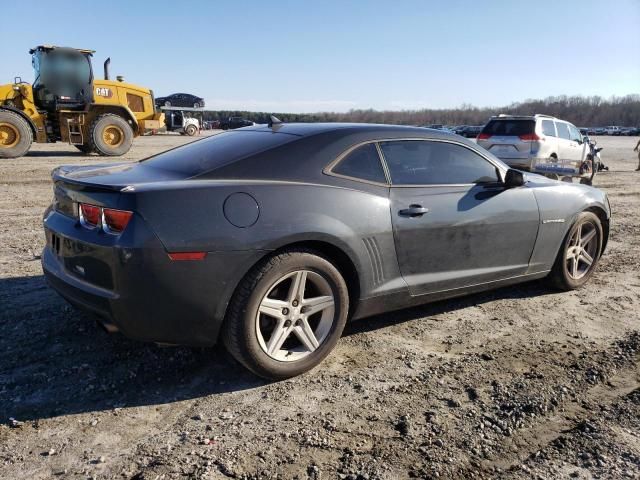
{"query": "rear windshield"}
pixel 509 127
pixel 216 151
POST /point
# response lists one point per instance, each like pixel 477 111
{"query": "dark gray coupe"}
pixel 271 237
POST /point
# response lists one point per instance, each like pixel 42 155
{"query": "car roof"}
pixel 310 129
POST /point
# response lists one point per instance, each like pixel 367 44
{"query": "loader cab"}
pixel 63 78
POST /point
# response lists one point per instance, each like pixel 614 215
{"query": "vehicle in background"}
pixel 537 143
pixel 591 131
pixel 600 131
pixel 612 130
pixel 178 121
pixel 232 123
pixel 472 131
pixel 180 100
pixel 631 131
pixel 438 126
pixel 584 131
pixel 67 103
pixel 458 129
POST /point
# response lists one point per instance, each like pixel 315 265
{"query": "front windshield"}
pixel 62 67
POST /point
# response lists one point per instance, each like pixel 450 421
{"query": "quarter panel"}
pixel 355 220
pixel 559 204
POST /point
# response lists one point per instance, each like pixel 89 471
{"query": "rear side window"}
pixel 363 163
pixel 216 151
pixel 548 128
pixel 417 162
pixel 509 127
pixel 563 130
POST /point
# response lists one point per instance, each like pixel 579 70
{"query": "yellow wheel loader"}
pixel 66 103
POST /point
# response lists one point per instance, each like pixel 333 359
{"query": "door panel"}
pixel 449 237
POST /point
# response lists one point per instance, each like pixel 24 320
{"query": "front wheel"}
pixel 191 130
pixel 579 254
pixel 15 135
pixel 287 314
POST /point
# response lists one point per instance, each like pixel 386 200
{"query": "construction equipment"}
pixel 66 103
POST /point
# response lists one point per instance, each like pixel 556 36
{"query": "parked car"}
pixel 232 123
pixel 180 100
pixel 612 130
pixel 601 131
pixel 472 131
pixel 269 238
pixel 631 131
pixel 438 126
pixel 535 143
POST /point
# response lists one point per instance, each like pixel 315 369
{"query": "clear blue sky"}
pixel 310 56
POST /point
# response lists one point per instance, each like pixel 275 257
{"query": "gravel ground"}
pixel 522 382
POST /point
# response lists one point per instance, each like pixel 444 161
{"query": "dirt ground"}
pixel 522 382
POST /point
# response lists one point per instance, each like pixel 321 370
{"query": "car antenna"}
pixel 273 120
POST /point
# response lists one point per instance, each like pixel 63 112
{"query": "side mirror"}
pixel 513 178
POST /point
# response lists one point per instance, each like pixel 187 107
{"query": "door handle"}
pixel 413 211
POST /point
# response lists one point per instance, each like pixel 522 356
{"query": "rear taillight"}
pixel 529 137
pixel 90 215
pixel 484 136
pixel 111 220
pixel 115 221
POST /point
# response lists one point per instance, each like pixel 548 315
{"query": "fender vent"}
pixel 371 244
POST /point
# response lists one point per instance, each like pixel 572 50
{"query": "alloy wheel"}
pixel 295 316
pixel 582 250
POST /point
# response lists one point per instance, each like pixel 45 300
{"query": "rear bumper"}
pixel 135 287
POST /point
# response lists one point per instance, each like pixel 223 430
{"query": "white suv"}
pixel 537 143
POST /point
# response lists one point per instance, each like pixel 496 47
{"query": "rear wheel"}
pixel 196 105
pixel 287 314
pixel 579 253
pixel 16 136
pixel 110 135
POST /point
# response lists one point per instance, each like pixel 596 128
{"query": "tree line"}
pixel 580 110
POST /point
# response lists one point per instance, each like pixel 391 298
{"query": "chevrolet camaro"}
pixel 269 238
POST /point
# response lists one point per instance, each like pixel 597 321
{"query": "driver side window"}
pixel 424 162
pixel 576 136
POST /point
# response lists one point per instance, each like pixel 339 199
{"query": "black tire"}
pixel 191 130
pixel 239 333
pixel 86 148
pixel 122 138
pixel 560 276
pixel 16 135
